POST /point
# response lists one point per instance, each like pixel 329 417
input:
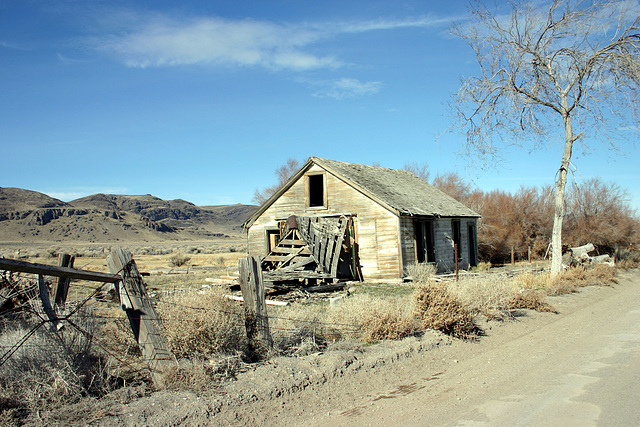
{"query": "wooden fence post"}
pixel 142 317
pixel 61 286
pixel 255 308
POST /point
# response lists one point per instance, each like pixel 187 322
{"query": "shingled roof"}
pixel 397 190
pixel 400 190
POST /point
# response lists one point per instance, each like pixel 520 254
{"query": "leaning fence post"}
pixel 61 286
pixel 142 316
pixel 256 319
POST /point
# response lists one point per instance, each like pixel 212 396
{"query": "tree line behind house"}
pixel 597 212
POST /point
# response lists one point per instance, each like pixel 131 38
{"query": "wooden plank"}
pixel 52 270
pixel 267 301
pixel 142 317
pixel 46 303
pixel 278 275
pixel 282 250
pixel 333 270
pixel 326 288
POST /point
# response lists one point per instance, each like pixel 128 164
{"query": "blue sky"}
pixel 204 100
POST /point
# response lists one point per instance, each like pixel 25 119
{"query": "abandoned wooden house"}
pixel 343 220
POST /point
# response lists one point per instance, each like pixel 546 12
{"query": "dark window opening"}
pixel 425 247
pixel 472 245
pixel 455 230
pixel 316 191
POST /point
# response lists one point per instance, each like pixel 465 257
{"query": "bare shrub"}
pixel 534 280
pixel 386 324
pixel 487 294
pixel 297 328
pixel 438 308
pixel 627 258
pixel 198 374
pixel 573 278
pixel 421 272
pixel 530 300
pixel 51 369
pixel 179 259
pixel 367 318
pixel 202 324
pixel 482 267
pixel 600 274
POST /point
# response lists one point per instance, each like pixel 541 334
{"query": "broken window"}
pixel 316 194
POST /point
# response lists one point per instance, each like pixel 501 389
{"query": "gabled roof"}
pixel 400 191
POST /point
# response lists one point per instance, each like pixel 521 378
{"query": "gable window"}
pixel 316 191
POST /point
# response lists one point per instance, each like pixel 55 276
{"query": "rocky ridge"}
pixel 30 216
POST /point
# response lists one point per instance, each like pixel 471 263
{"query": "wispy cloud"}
pixel 345 88
pixel 165 41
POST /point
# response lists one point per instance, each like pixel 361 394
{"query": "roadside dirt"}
pixel 524 370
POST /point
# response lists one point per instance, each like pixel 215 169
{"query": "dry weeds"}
pixel 436 307
pixel 530 300
pixel 487 294
pixel 202 324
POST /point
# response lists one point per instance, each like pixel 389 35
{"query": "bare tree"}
pixel 283 173
pixel 421 170
pixel 572 66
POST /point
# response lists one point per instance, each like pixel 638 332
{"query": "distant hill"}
pixel 28 216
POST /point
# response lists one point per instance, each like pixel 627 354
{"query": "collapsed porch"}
pixel 309 249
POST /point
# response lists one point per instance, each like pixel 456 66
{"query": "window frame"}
pixel 308 190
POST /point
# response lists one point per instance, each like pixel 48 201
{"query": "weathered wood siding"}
pixel 443 240
pixel 377 227
pixel 444 244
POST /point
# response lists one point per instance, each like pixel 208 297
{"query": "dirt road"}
pixel 578 367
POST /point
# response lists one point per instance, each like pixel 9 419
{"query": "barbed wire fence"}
pixel 26 329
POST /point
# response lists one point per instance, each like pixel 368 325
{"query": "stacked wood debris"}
pixel 310 248
pixel 580 256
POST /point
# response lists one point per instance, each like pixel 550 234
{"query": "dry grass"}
pixel 530 300
pixel 573 278
pixel 421 272
pixel 200 374
pixel 534 280
pixel 627 259
pixel 50 369
pixel 482 267
pixel 370 319
pixel 486 294
pixel 202 324
pixel 436 307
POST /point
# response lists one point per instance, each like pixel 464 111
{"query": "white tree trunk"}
pixel 561 183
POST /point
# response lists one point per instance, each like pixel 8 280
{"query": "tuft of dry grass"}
pixel 421 272
pixel 482 267
pixel 534 280
pixel 573 278
pixel 51 369
pixel 179 260
pixel 202 324
pixel 297 328
pixel 438 308
pixel 199 374
pixel 530 300
pixel 486 294
pixel 370 319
